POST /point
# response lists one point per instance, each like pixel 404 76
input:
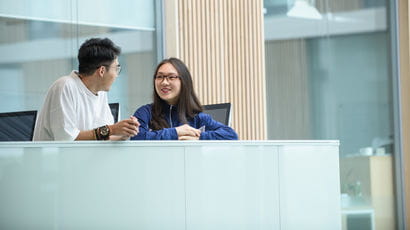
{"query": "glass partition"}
pixel 40 40
pixel 242 185
pixel 328 76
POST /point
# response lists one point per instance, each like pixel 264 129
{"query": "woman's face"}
pixel 168 83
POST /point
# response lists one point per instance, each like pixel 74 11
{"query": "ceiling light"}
pixel 302 9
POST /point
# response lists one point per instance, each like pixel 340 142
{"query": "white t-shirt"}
pixel 70 107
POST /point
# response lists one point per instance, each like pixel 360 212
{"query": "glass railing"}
pixel 170 185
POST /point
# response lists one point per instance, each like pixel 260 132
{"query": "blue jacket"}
pixel 213 129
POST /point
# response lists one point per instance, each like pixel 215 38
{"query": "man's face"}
pixel 111 73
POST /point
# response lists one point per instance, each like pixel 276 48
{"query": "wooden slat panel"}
pixel 235 67
pixel 261 62
pixel 338 6
pixel 252 53
pixel 288 110
pixel 172 34
pixel 404 47
pixel 222 43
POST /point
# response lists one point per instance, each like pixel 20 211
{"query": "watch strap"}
pixel 96 134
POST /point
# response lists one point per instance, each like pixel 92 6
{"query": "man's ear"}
pixel 101 70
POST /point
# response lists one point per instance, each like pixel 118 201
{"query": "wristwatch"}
pixel 103 133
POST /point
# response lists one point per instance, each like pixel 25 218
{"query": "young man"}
pixel 76 106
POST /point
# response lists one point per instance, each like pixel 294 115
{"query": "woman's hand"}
pixel 125 128
pixel 188 138
pixel 186 130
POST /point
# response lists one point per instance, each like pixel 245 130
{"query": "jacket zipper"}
pixel 170 117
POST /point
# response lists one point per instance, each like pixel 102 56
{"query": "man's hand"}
pixel 186 130
pixel 125 128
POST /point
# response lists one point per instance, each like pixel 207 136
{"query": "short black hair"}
pixel 96 52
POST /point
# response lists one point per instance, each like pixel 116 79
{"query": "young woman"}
pixel 176 113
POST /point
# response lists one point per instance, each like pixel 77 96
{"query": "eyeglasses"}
pixel 169 77
pixel 118 68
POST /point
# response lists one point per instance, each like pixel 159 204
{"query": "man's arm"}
pixel 86 135
pixel 121 130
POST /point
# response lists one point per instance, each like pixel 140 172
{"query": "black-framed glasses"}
pixel 118 68
pixel 169 77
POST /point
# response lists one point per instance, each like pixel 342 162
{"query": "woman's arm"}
pixel 215 130
pixel 143 114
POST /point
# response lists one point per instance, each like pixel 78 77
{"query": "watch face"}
pixel 104 131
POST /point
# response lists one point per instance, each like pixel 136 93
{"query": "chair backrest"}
pixel 219 112
pixel 17 126
pixel 115 110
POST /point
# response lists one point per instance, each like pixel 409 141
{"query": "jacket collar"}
pixel 167 107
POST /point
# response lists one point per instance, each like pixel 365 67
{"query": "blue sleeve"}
pixel 215 130
pixel 143 114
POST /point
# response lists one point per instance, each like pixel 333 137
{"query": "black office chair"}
pixel 115 110
pixel 219 112
pixel 17 126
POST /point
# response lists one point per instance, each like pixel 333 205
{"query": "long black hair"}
pixel 188 104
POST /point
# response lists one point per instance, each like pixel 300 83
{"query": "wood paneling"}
pixel 288 107
pixel 404 46
pixel 171 28
pixel 338 6
pixel 221 41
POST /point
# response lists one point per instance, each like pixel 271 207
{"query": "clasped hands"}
pixel 126 128
pixel 186 132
